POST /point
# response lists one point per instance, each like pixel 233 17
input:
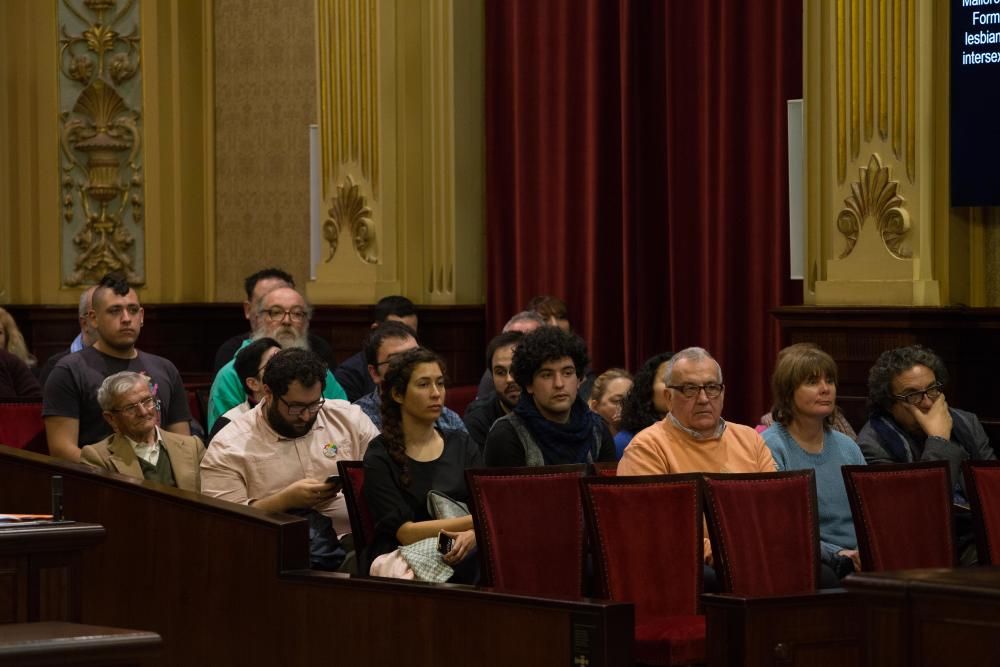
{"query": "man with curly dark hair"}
pixel 910 419
pixel 550 424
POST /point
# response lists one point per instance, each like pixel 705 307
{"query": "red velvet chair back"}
pixel 352 475
pixel 982 485
pixel 902 515
pixel 646 534
pixel 765 532
pixel 21 426
pixel 529 529
pixel 605 468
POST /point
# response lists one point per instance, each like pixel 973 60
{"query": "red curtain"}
pixel 636 167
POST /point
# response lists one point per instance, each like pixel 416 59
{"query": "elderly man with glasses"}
pixel 139 448
pixel 283 315
pixel 694 437
pixel 279 455
pixel 910 417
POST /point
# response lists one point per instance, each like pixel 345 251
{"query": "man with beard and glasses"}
pixel 283 315
pixel 482 412
pixel 73 416
pixel 278 455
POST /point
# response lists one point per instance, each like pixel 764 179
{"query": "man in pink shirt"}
pixel 693 437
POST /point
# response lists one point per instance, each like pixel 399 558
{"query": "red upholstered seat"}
pixel 606 468
pixel 765 532
pixel 529 529
pixel 458 398
pixel 21 426
pixel 352 474
pixel 902 515
pixel 646 534
pixel 982 485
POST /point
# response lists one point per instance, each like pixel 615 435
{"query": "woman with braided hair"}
pixel 412 457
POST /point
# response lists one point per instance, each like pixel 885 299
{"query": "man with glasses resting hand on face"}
pixel 283 315
pixel 138 447
pixel 693 437
pixel 278 455
pixel 910 417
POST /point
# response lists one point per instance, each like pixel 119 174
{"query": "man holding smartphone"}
pixel 279 455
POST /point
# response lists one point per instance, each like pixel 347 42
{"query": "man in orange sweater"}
pixel 693 437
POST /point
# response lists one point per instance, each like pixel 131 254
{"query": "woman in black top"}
pixel 412 457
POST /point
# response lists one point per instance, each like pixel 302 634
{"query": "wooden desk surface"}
pixel 977 582
pixel 25 644
pixel 61 536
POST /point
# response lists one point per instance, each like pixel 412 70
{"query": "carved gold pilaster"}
pixel 401 85
pixel 874 152
pixel 100 89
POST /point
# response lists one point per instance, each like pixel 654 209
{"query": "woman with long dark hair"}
pixel 645 403
pixel 412 457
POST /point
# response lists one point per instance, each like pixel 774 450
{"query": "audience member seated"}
pixel 804 386
pixel 283 315
pixel 550 424
pixel 524 322
pixel 693 437
pixel 645 403
pixel 12 341
pixel 249 365
pixel 553 310
pixel 73 417
pixel 385 343
pixel 256 286
pixel 353 374
pixel 910 416
pixel 85 338
pixel 838 423
pixel 411 458
pixel 606 397
pixel 138 447
pixel 17 380
pixel 278 455
pixel 481 413
pixel 910 420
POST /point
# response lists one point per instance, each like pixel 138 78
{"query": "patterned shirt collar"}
pixel 719 430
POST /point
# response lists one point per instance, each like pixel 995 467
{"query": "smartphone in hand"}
pixel 445 543
pixel 333 479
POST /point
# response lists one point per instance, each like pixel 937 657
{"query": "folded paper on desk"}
pixel 18 518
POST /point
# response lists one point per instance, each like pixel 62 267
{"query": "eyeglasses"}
pixel 296 410
pixel 277 314
pixel 917 397
pixel 132 409
pixel 712 389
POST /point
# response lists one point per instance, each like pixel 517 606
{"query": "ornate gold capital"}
pixel 875 196
pixel 350 211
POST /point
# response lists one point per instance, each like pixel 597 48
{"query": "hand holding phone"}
pixel 335 482
pixel 445 543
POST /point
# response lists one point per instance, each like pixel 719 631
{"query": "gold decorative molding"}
pixel 874 196
pixel 350 211
pixel 870 76
pixel 348 89
pixel 100 139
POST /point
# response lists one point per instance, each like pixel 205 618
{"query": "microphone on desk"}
pixel 57 498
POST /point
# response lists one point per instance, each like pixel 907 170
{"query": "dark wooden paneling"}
pixel 225 584
pixel 967 339
pixel 189 334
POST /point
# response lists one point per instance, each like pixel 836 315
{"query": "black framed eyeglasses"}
pixel 276 314
pixel 296 410
pixel 132 409
pixel 712 389
pixel 917 397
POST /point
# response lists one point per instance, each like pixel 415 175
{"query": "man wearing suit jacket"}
pixel 139 448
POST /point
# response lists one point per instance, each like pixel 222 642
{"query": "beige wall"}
pixel 265 100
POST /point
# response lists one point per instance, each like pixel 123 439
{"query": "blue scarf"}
pixel 553 438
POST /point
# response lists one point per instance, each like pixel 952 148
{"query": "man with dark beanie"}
pixel 550 425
